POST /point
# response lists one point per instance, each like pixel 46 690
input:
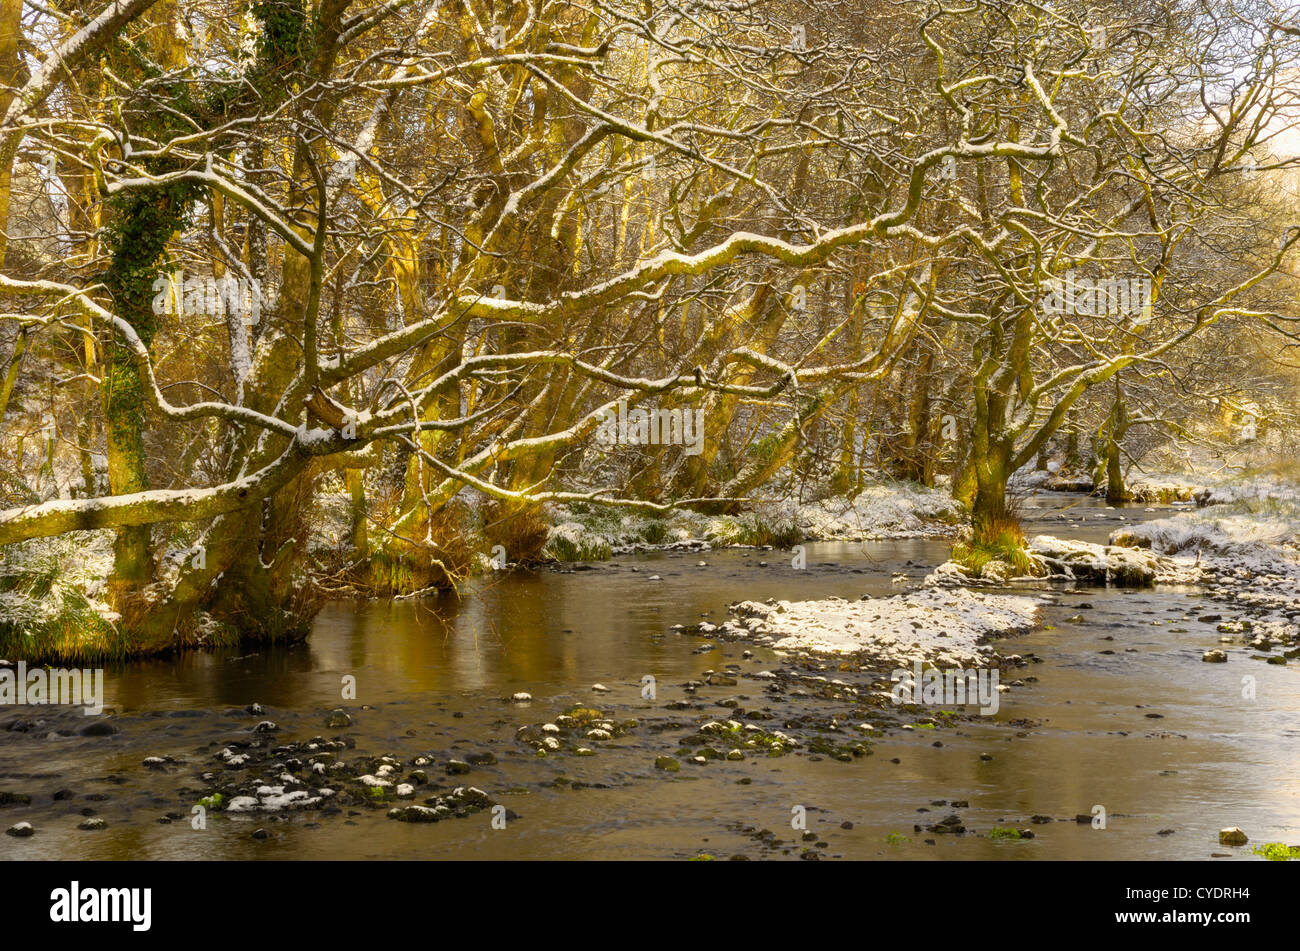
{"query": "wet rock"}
pixel 1100 564
pixel 951 825
pixel 266 726
pixel 667 763
pixel 14 798
pixel 529 734
pixel 20 830
pixel 469 796
pixel 1232 836
pixel 456 767
pixel 521 697
pixel 1215 657
pixel 94 824
pixel 98 728
pixel 338 719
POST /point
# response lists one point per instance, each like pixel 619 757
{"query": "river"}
pixel 1121 713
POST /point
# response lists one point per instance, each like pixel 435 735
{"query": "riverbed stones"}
pixel 1215 657
pixel 92 824
pixel 20 830
pixel 949 825
pixel 414 814
pixel 338 719
pixel 459 803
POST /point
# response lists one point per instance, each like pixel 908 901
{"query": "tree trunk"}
pixel 989 507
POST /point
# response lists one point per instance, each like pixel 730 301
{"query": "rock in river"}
pixel 1232 836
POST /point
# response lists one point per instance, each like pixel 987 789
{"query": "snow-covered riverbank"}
pixel 885 510
pixel 1247 555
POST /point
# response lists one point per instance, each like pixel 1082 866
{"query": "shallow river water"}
pixel 432 677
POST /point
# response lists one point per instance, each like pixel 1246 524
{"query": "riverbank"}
pixel 53 591
pixel 882 510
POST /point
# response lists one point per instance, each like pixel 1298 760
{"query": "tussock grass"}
pixel 749 529
pixel 996 539
pixel 49 610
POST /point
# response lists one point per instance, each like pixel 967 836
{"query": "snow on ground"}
pixel 1247 554
pixel 887 510
pixel 1265 530
pixel 1054 479
pixel 943 626
pixel 883 510
pixel 1059 559
pixel 1110 564
pixel 1208 489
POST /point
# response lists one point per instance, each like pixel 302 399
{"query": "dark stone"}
pixel 99 728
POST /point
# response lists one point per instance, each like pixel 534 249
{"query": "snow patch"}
pixel 941 625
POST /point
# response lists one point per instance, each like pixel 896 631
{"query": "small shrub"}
pixel 1277 851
